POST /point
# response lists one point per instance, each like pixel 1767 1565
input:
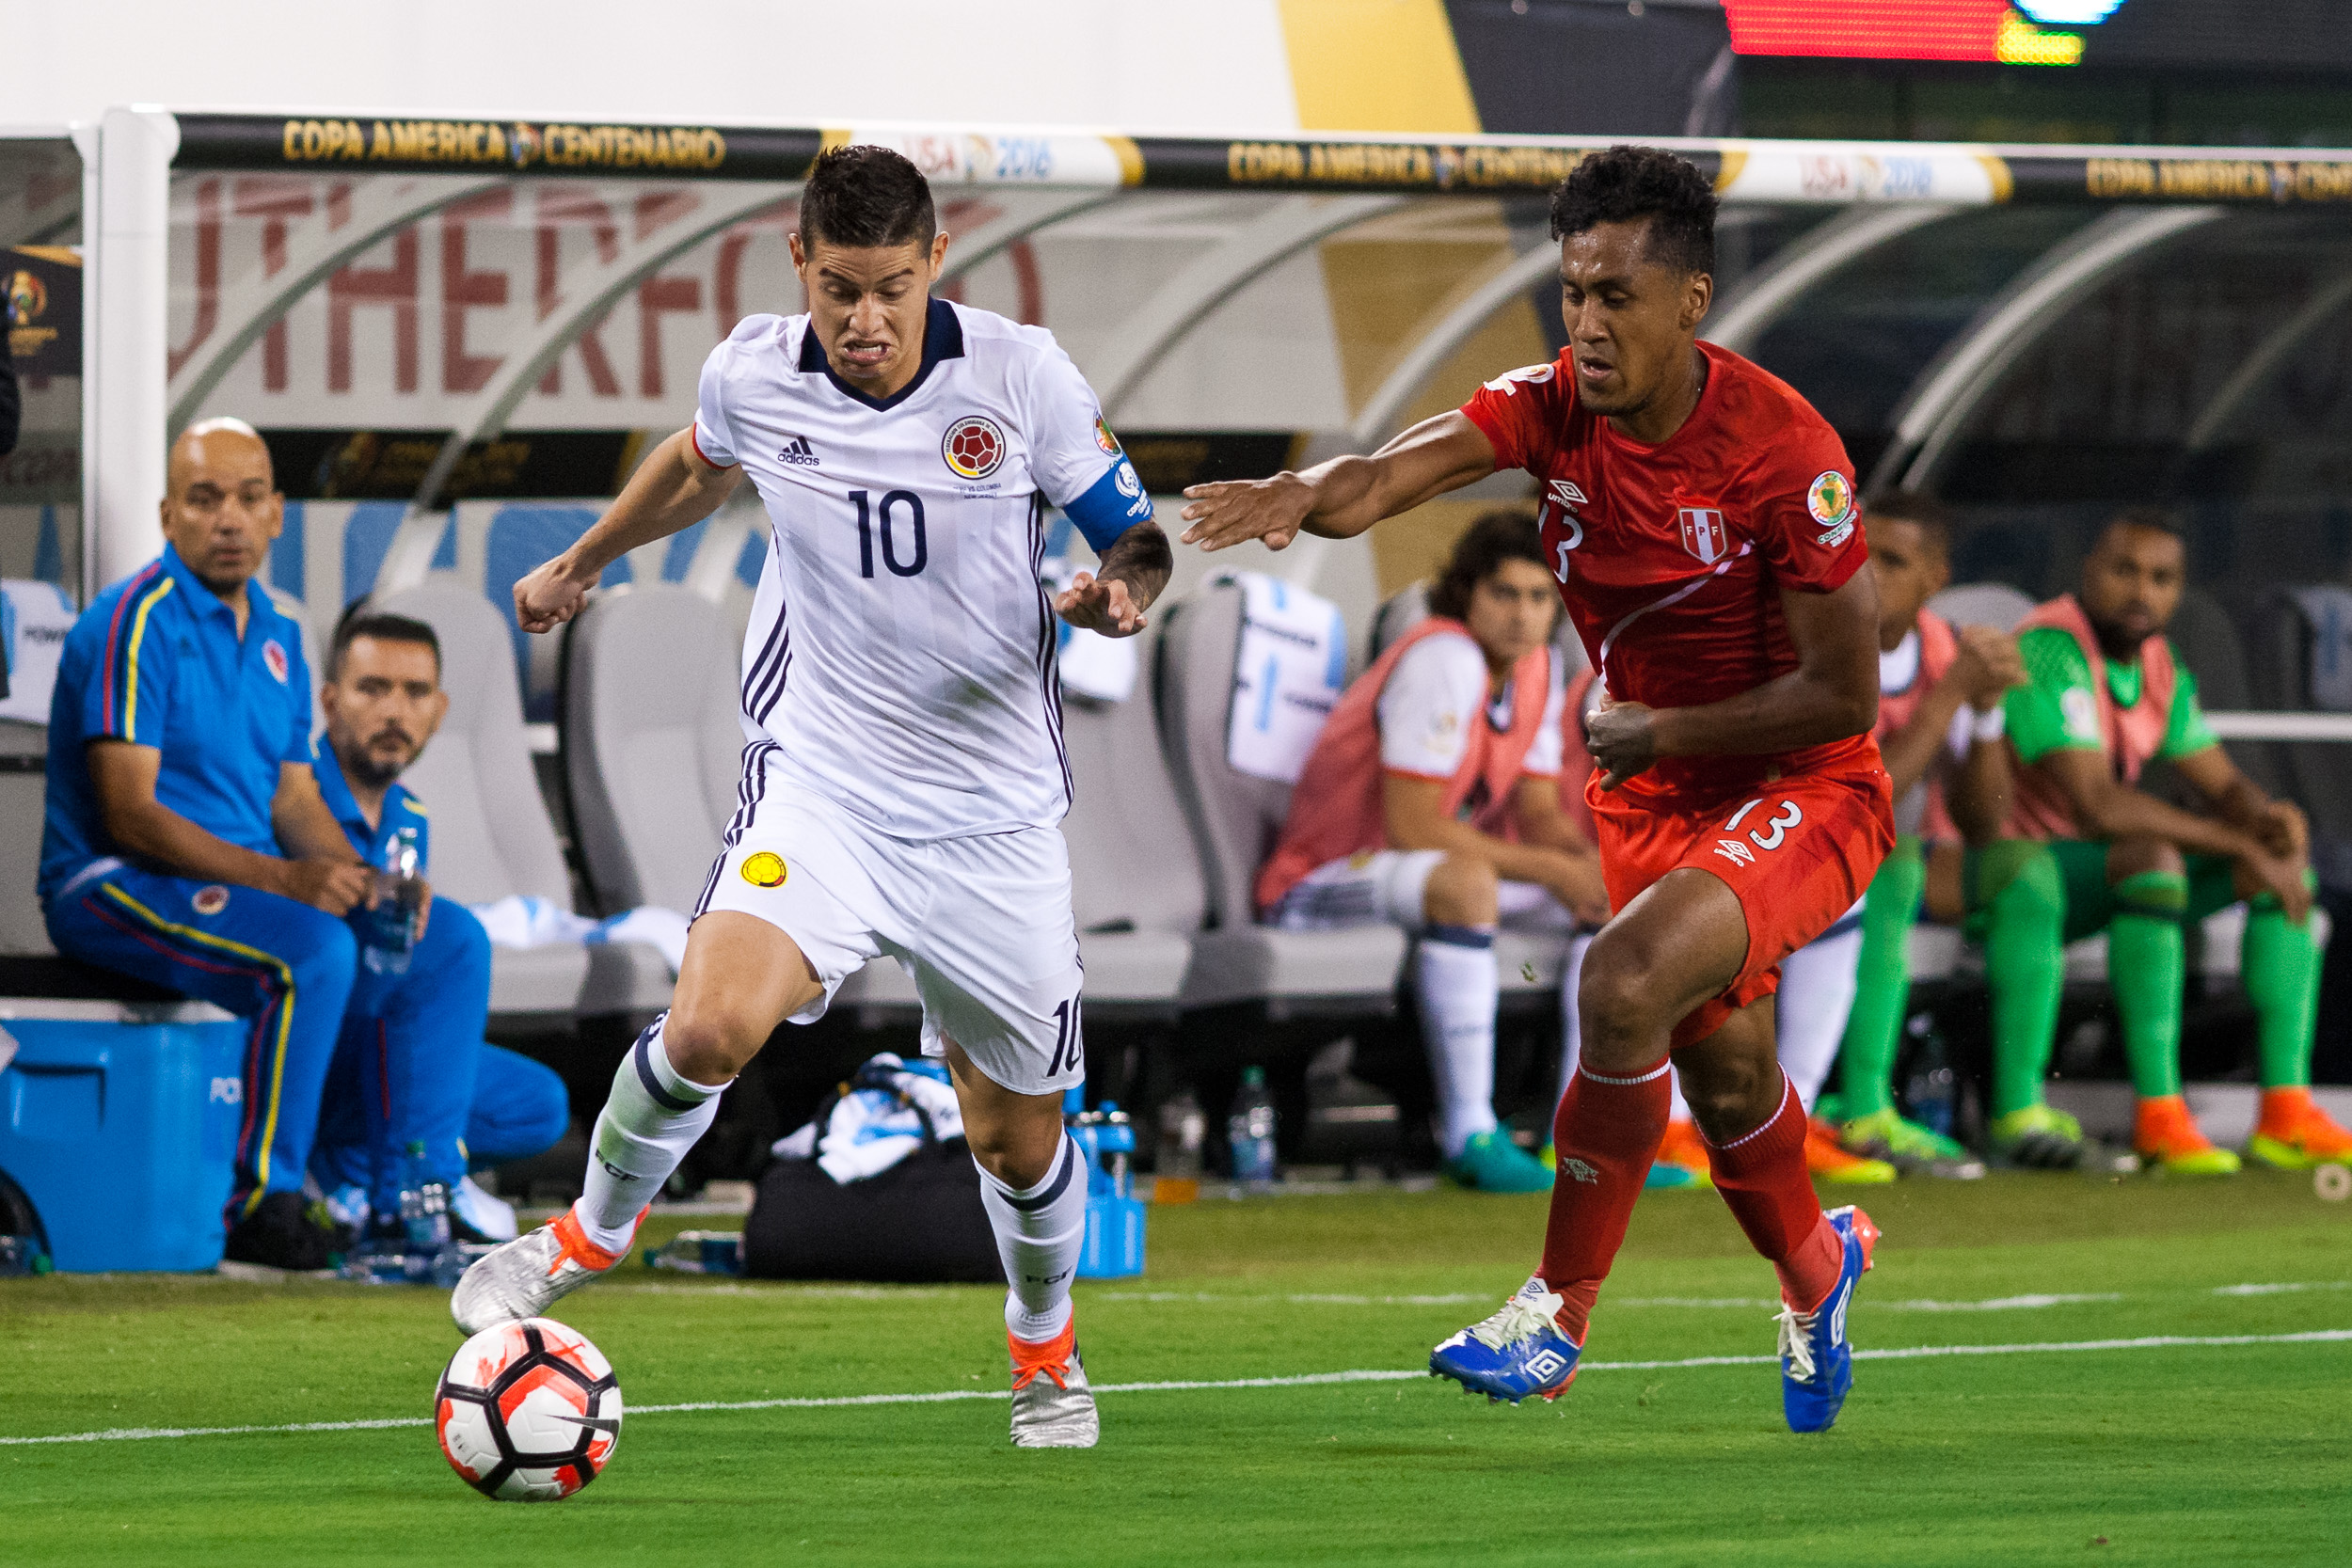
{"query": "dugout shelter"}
pixel 459 335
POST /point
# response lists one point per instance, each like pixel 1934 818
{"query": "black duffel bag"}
pixel 919 1223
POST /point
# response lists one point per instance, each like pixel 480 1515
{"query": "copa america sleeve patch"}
pixel 1830 499
pixel 1111 505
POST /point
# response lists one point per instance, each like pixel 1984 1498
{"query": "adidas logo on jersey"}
pixel 796 451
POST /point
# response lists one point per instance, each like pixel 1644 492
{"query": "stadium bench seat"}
pixel 1135 877
pixel 1234 819
pixel 491 835
pixel 1982 604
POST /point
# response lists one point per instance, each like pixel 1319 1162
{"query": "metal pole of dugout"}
pixel 141 147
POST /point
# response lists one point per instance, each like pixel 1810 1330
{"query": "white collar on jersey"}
pixel 943 339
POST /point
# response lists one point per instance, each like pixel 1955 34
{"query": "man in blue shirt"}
pixel 186 842
pixel 411 1071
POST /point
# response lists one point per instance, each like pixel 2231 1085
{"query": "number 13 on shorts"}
pixel 1765 836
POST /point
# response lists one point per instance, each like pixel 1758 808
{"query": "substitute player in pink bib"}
pixel 1430 802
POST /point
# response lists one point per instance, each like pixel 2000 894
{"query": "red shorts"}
pixel 1797 851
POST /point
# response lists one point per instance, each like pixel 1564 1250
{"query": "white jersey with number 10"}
pixel 900 652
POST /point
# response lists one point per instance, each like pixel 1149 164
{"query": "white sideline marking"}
pixel 1913 1353
pixel 2281 1290
pixel 1996 1304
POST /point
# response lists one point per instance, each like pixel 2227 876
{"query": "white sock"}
pixel 649 1121
pixel 1571 1038
pixel 1455 982
pixel 1039 1233
pixel 1817 990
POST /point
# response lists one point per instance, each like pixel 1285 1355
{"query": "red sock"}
pixel 1607 1132
pixel 1762 1176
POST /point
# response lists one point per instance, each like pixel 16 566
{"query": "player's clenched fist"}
pixel 1100 604
pixel 549 596
pixel 1622 739
pixel 1232 511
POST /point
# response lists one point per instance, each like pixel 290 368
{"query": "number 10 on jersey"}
pixel 872 519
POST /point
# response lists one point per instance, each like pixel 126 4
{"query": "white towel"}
pixel 1092 665
pixel 2329 612
pixel 34 618
pixel 527 920
pixel 875 1126
pixel 1287 676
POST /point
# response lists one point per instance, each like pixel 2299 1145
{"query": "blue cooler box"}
pixel 118 1119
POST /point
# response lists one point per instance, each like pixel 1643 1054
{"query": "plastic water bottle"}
pixel 1250 1132
pixel 388 932
pixel 1932 1089
pixel 432 1250
pixel 1176 1163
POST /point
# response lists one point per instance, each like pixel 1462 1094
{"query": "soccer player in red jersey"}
pixel 1701 519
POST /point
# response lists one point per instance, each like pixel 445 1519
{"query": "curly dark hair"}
pixel 1492 538
pixel 1628 182
pixel 866 196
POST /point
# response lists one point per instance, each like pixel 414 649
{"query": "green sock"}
pixel 1882 983
pixel 2278 966
pixel 2146 963
pixel 2024 895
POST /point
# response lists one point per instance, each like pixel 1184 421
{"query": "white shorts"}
pixel 1386 887
pixel 982 925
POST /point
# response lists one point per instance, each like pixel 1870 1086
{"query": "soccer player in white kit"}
pixel 903 770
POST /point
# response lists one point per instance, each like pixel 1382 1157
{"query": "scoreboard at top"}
pixel 2284 34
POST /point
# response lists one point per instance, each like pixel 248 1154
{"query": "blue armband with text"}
pixel 1111 506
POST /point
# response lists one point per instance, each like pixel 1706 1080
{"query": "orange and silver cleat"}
pixel 1052 1405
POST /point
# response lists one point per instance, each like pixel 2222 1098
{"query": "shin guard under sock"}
pixel 1455 985
pixel 2279 965
pixel 2023 896
pixel 1763 1178
pixel 2146 963
pixel 1882 982
pixel 1606 1134
pixel 652 1118
pixel 1039 1233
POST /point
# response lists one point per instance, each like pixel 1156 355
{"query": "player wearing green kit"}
pixel 1939 728
pixel 2083 849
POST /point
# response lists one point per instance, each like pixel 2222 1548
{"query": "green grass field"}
pixel 2186 1453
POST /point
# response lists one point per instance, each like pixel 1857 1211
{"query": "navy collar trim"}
pixel 943 339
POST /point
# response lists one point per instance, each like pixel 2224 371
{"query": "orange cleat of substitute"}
pixel 2296 1134
pixel 2167 1136
pixel 1827 1157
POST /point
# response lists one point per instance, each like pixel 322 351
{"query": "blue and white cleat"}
pixel 1518 1351
pixel 1815 1357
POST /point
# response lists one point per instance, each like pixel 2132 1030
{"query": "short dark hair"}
pixel 2155 519
pixel 1932 517
pixel 867 197
pixel 360 621
pixel 1492 538
pixel 1628 182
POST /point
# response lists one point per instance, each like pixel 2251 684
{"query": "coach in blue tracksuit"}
pixel 411 1067
pixel 186 842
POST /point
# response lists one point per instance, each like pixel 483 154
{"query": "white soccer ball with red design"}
pixel 528 1412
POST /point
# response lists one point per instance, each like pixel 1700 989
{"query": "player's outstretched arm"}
pixel 1832 693
pixel 1133 572
pixel 672 489
pixel 1341 498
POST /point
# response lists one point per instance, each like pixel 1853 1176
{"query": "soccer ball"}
pixel 528 1412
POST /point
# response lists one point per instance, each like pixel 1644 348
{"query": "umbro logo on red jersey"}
pixel 796 451
pixel 1567 494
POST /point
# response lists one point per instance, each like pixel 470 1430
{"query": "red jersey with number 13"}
pixel 1671 557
